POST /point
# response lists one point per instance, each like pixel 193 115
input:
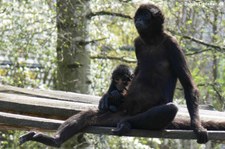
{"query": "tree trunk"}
pixel 73 58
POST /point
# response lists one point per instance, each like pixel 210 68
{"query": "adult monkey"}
pixel 160 62
pixel 148 101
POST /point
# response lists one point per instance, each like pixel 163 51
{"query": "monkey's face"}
pixel 142 20
pixel 122 83
pixel 148 18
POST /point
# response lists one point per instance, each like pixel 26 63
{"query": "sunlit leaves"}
pixel 27 32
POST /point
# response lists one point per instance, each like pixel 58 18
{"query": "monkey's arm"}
pixel 103 105
pixel 110 101
pixel 137 45
pixel 180 68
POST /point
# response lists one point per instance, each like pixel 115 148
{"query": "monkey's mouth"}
pixel 120 89
pixel 140 26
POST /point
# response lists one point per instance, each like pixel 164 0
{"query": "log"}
pixel 205 115
pixel 50 94
pixel 28 122
pixel 45 103
pixel 22 122
pixel 27 109
pixel 18 103
pixel 61 105
pixel 169 134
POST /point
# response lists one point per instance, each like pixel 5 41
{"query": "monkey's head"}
pixel 121 77
pixel 148 19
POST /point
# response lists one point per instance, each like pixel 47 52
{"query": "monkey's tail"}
pixel 208 124
pixel 80 121
pixel 214 125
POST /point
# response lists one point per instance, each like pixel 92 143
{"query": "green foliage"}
pixel 9 140
pixel 27 52
pixel 28 36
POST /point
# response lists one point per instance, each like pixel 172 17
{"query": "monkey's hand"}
pixel 104 104
pixel 115 98
pixel 26 137
pixel 202 135
pixel 122 128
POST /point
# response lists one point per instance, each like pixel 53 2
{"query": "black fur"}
pixel 114 97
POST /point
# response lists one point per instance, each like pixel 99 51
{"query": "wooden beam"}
pixel 205 115
pixel 28 109
pixel 63 104
pixel 50 94
pixel 28 122
pixel 44 103
pixel 22 122
pixel 41 106
pixel 170 134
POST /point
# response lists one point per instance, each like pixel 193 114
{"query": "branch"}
pixel 218 48
pixel 83 42
pixel 203 43
pixel 123 59
pixel 106 13
pixel 197 52
pixel 3 11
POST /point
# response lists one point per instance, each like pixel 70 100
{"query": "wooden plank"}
pixel 170 134
pixel 205 115
pixel 63 109
pixel 57 103
pixel 27 122
pixel 41 106
pixel 56 108
pixel 214 113
pixel 50 94
pixel 34 123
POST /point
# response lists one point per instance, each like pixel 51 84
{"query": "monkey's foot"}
pixel 26 137
pixel 202 135
pixel 122 128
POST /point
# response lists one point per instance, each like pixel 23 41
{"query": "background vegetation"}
pixel 74 45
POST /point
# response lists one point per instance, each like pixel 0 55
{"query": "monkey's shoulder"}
pixel 169 40
pixel 138 42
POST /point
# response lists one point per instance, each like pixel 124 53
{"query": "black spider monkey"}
pixel 160 63
pixel 110 102
pixel 114 97
pixel 148 101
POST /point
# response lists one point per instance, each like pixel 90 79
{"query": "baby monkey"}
pixel 114 97
pixel 121 78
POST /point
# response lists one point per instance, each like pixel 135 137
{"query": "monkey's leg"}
pixel 156 118
pixel 69 128
pixel 42 138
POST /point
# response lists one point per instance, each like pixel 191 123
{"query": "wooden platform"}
pixel 45 110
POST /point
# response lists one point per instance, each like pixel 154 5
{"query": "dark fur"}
pixel 120 72
pixel 148 102
pixel 114 97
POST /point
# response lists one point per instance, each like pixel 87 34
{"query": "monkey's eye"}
pixel 116 79
pixel 126 79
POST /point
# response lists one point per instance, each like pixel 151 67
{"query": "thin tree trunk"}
pixel 73 58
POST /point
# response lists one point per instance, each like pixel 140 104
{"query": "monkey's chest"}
pixel 143 95
pixel 153 64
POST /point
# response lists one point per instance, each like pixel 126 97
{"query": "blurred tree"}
pixel 72 53
pixel 28 32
